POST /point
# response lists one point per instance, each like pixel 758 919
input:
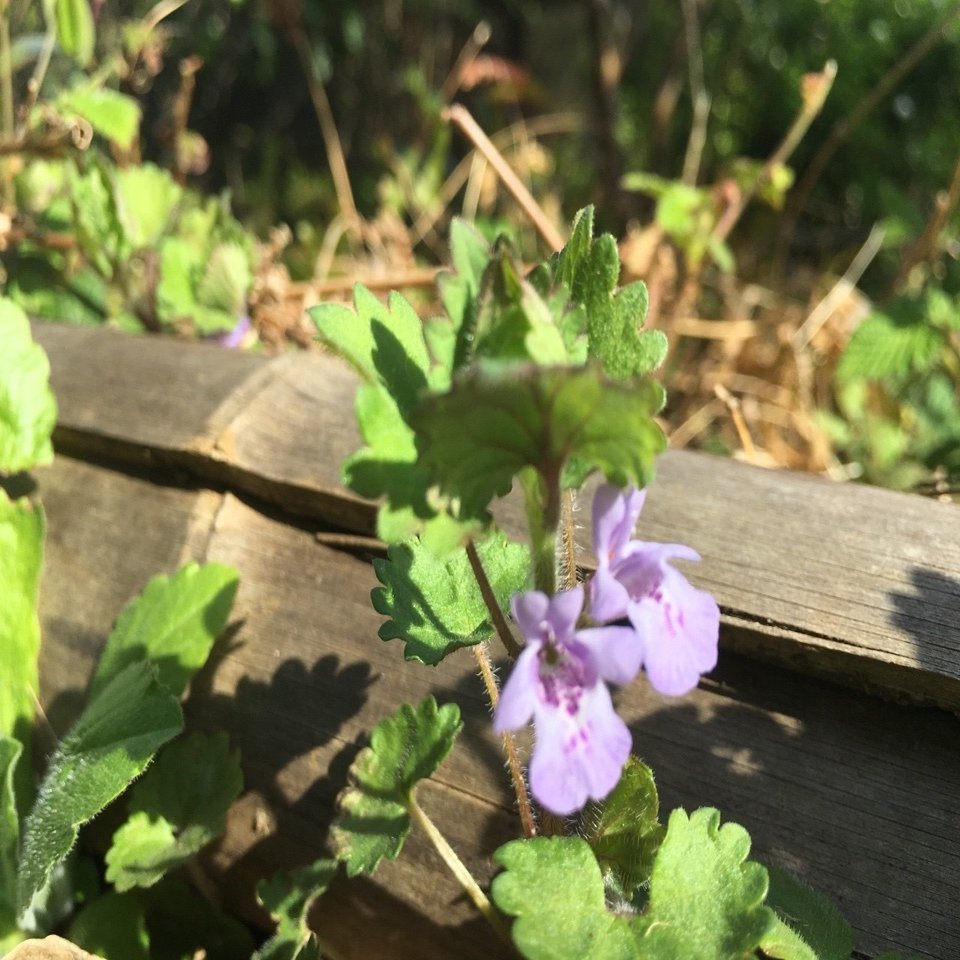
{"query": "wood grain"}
pixel 847 582
pixel 859 797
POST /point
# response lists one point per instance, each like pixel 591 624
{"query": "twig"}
pixel 424 277
pixel 736 414
pixel 537 127
pixel 816 88
pixel 496 614
pixel 843 128
pixel 698 94
pixel 475 43
pixel 35 82
pixel 459 870
pixel 328 129
pixel 349 541
pixel 840 290
pixel 481 653
pixel 459 115
pixel 925 246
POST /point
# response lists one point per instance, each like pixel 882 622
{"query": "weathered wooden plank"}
pixel 857 584
pixel 858 796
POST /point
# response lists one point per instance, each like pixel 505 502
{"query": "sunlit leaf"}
pixel 590 269
pixel 28 410
pixel 173 624
pixel 554 888
pixel 76 32
pixel 112 114
pixel 21 557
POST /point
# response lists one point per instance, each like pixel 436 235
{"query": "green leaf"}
pixel 782 942
pixel 384 343
pixel 289 897
pixel 374 816
pixel 176 809
pixel 111 743
pixel 10 751
pixel 173 624
pixel 434 604
pixel 226 279
pixel 100 235
pixel 459 291
pixel 76 31
pixel 811 915
pixel 388 347
pixel 113 115
pixel 891 346
pixel 113 926
pixel 590 269
pixel 706 899
pixel 146 196
pixel 499 418
pixel 28 410
pixel 627 833
pixel 180 265
pixel 21 556
pixel 553 886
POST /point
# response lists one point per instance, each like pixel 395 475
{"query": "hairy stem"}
pixel 6 95
pixel 517 780
pixel 493 608
pixel 459 870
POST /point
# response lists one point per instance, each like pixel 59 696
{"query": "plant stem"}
pixel 496 614
pixel 566 547
pixel 459 870
pixel 482 654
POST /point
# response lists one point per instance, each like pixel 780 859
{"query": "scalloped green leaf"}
pixel 28 410
pixel 782 942
pixel 173 624
pixel 384 343
pixel 499 418
pixel 554 888
pixel 811 916
pixel 289 897
pixel 111 744
pixel 146 196
pixel 706 898
pixel 590 269
pixel 434 603
pixel 22 527
pixel 626 834
pixel 177 808
pixel 374 810
pixel 460 290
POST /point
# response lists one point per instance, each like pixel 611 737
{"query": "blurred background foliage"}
pixel 796 228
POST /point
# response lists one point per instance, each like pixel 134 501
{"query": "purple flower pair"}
pixel 581 743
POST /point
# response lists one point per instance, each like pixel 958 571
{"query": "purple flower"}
pixel 676 624
pixel 581 744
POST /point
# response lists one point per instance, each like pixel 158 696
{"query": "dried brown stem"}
pixel 459 115
pixel 475 43
pixel 819 86
pixel 496 614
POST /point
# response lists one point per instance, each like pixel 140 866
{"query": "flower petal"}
pixel 678 630
pixel 615 511
pixel 564 609
pixel 519 696
pixel 578 757
pixel 608 596
pixel 616 651
pixel 530 610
